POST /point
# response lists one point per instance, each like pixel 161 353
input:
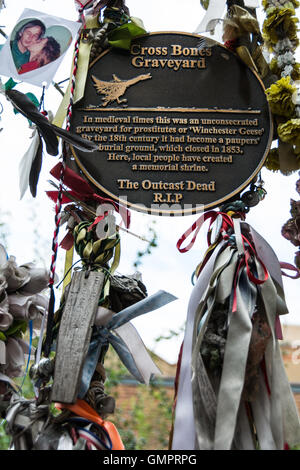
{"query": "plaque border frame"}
pixel 202 207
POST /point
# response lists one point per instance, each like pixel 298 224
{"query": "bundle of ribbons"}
pixel 232 392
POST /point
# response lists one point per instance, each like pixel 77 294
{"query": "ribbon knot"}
pixel 103 335
pixel 80 189
pixel 123 337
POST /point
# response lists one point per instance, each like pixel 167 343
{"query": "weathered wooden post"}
pixel 75 333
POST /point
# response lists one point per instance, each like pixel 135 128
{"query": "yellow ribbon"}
pixel 81 74
pixel 68 266
pixel 239 25
pixel 244 54
pixel 210 248
pixel 113 268
pixel 242 21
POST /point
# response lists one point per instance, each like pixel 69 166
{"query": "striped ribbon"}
pixel 81 429
pixel 58 205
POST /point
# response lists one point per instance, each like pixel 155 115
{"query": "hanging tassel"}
pixel 233 392
pixel 48 131
pixel 36 168
pixel 27 162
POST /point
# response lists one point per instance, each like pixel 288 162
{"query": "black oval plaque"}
pixel 180 129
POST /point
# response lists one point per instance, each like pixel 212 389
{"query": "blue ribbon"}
pixel 29 352
pixel 102 336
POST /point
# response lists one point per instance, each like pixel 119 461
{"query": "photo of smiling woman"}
pixel 27 35
pixel 36 47
pixel 42 52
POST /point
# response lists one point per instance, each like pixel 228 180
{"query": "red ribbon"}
pixel 68 241
pixel 96 221
pixel 82 191
pixel 226 223
pixel 234 302
pixel 210 215
pixel 284 265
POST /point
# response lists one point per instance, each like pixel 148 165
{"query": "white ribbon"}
pixel 243 439
pixel 142 359
pixel 261 413
pixel 215 11
pixel 2 352
pixel 283 419
pixel 233 374
pixel 134 343
pixel 184 426
pixel 128 333
pixel 26 162
pixel 275 416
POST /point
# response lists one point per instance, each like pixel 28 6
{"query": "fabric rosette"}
pixel 272 161
pixel 6 319
pixel 275 69
pixel 280 95
pixel 290 4
pixel 38 279
pixel 16 349
pixel 21 302
pixel 15 275
pixel 3 284
pixel 290 131
pixel 27 307
pixel 280 23
pixel 290 231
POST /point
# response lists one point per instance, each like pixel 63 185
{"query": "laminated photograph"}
pixel 36 47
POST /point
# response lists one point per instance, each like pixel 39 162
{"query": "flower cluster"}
pixel 21 301
pixel 280 24
pixel 291 229
pixel 280 36
pixel 280 97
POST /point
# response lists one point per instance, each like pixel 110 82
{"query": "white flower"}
pixel 3 284
pixel 15 276
pixel 22 307
pixel 14 358
pixel 6 318
pixel 283 45
pixel 38 279
pixel 288 69
pixel 296 94
pixel 285 59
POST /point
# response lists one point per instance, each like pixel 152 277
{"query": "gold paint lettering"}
pixel 137 61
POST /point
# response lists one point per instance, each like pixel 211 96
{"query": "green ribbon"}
pixel 122 36
pixel 17 327
pixel 9 84
pixel 2 336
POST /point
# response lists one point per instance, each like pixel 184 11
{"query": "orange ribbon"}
pixel 83 409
